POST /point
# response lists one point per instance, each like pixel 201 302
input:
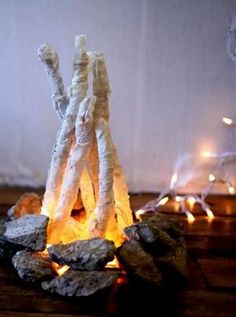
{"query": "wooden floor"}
pixel 211 290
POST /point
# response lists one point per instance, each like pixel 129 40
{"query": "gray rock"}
pixel 88 254
pixel 165 236
pixel 175 261
pixel 32 266
pixel 150 235
pixel 164 222
pixel 29 231
pixel 138 262
pixel 80 283
pixel 29 203
pixel 7 249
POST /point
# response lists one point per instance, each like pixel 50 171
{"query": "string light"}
pixel 227 121
pixel 190 216
pixel 230 189
pixel 209 213
pixel 211 178
pixel 187 202
pixel 162 202
pixel 191 202
pixel 139 212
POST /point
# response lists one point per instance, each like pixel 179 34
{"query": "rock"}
pixel 165 236
pixel 29 203
pixel 150 236
pixel 29 231
pixel 33 266
pixel 7 249
pixel 88 254
pixel 138 262
pixel 164 222
pixel 175 262
pixel 80 283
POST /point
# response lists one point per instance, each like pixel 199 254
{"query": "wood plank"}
pixel 219 272
pixel 211 246
pixel 27 314
pixel 200 303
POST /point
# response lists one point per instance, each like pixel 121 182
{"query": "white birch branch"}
pixel 51 61
pixel 65 137
pixel 83 135
pixel 105 205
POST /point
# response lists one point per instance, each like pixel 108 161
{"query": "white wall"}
pixel 171 80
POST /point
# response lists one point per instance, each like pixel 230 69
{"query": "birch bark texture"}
pixel 84 157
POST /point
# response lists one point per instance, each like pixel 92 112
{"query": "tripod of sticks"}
pixel 84 159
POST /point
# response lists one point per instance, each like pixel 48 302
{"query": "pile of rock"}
pixel 154 252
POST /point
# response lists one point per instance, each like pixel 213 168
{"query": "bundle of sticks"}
pixel 84 159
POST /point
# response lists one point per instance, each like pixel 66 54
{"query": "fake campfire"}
pixel 83 236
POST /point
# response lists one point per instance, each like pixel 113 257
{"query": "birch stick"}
pixel 65 136
pixel 104 209
pixel 101 89
pixel 83 134
pixel 51 61
pixel 93 166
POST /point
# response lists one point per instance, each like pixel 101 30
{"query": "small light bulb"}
pixel 207 154
pixel 178 199
pixel 227 121
pixel 190 216
pixel 209 213
pixel 163 201
pixel 139 212
pixel 191 201
pixel 211 178
pixel 231 189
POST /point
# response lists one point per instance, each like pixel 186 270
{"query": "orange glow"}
pixel 113 264
pixel 60 269
pixel 227 121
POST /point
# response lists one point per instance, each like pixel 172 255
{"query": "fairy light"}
pixel 162 202
pixel 178 198
pixel 227 121
pixel 187 202
pixel 139 212
pixel 211 178
pixel 190 216
pixel 209 213
pixel 191 202
pixel 231 189
pixel 208 154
